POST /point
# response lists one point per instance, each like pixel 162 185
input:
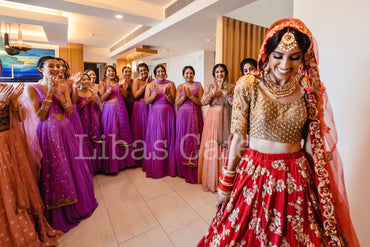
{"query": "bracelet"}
pixel 226 178
pixel 66 105
pixel 228 172
pixel 45 107
pixel 226 182
pixel 48 101
pixel 223 193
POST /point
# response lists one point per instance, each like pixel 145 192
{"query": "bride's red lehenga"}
pixel 282 199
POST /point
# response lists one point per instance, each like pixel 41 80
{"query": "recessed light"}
pixel 207 40
pixel 119 16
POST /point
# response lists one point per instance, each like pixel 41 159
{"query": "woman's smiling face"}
pixel 284 64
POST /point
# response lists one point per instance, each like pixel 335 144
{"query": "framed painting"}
pixel 23 66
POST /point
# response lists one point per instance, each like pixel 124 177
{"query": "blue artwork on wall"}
pixel 23 66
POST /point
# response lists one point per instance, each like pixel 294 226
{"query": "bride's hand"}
pixel 222 201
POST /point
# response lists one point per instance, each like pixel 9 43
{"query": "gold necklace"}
pixel 277 91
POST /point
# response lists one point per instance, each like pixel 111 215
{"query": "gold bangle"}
pixel 221 192
pixel 228 172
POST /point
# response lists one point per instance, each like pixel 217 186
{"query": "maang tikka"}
pixel 288 42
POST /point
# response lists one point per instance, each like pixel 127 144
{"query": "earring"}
pixel 266 68
pixel 300 73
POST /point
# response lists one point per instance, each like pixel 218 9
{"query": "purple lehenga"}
pixel 75 120
pixel 139 122
pixel 66 183
pixel 189 127
pixel 159 159
pixel 117 150
pixel 90 115
pixel 129 100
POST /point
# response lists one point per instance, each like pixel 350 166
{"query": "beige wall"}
pixel 341 28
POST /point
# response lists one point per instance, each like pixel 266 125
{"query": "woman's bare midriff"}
pixel 60 116
pixel 112 100
pixel 271 147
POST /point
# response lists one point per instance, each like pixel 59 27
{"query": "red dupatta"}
pixel 334 208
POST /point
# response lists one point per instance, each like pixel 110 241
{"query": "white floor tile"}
pixel 172 212
pixel 131 218
pixel 153 238
pixel 189 235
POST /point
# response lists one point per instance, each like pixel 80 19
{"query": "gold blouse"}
pixel 260 117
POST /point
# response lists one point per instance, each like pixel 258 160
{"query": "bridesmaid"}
pixel 159 159
pixel 74 118
pixel 129 100
pixel 139 119
pixel 215 138
pixel 94 82
pixel 22 220
pixel 88 106
pixel 117 150
pixel 189 126
pixel 66 182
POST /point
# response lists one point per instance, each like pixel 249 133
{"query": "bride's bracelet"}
pixel 226 182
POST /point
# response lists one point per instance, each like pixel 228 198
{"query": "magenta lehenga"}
pixel 129 100
pixel 90 115
pixel 66 182
pixel 117 152
pixel 139 122
pixel 189 127
pixel 22 220
pixel 75 120
pixel 159 159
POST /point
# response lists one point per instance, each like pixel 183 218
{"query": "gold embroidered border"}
pixel 322 175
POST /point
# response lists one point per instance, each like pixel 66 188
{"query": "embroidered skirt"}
pixel 273 203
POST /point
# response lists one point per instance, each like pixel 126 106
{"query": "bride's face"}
pixel 284 64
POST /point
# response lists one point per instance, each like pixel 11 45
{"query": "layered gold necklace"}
pixel 277 91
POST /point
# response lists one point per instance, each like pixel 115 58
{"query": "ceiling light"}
pixel 20 45
pixel 119 16
pixel 207 40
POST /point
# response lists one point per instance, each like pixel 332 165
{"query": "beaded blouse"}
pixel 260 117
pixel 217 99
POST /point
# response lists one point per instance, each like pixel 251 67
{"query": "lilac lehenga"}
pixel 159 159
pixel 90 115
pixel 139 122
pixel 189 127
pixel 66 183
pixel 117 149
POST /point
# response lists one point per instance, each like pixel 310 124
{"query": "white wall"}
pixel 202 62
pixel 341 28
pixel 96 54
pixel 263 12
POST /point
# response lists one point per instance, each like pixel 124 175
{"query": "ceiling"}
pixel 173 27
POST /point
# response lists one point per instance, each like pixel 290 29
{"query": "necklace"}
pixel 277 91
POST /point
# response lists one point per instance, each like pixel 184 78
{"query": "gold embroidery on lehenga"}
pixel 323 185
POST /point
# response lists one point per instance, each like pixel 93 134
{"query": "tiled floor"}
pixel 138 211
